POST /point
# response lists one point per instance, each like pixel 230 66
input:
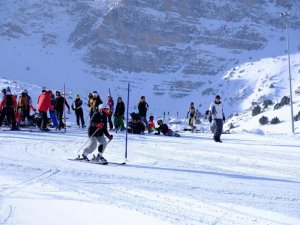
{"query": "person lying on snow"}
pixel 163 128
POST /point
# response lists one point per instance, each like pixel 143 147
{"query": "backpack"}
pixel 208 115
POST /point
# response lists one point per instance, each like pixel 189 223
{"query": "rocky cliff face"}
pixel 192 37
pixel 183 47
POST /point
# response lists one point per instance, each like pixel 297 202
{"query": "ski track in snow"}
pixel 188 180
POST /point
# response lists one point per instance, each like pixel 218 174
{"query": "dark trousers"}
pixel 44 119
pixel 219 128
pixel 59 115
pixel 9 112
pixel 79 116
pixel 110 121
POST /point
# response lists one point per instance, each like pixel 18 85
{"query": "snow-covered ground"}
pixel 247 179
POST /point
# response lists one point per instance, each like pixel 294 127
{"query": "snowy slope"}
pixel 248 179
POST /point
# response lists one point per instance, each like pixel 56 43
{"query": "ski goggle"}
pixel 106 111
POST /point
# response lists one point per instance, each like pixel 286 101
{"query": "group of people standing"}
pixel 16 111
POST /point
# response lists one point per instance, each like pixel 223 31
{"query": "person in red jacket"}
pixel 8 107
pixel 151 123
pixel 44 103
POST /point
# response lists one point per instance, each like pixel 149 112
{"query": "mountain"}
pixel 173 52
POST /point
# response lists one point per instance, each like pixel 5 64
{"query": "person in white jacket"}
pixel 216 113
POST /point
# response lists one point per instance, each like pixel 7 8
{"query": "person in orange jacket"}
pixel 8 108
pixel 44 104
pixel 151 123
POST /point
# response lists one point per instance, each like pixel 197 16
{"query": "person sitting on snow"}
pixel 135 125
pixel 151 123
pixel 165 129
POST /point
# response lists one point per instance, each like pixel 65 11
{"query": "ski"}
pixel 50 131
pixel 97 162
pixel 15 130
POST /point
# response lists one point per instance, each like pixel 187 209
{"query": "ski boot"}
pixel 82 157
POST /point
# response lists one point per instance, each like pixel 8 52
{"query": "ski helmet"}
pixel 104 108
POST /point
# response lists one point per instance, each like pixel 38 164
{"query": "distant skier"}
pixel 111 104
pixel 77 107
pixel 216 113
pixel 96 130
pixel 44 104
pixel 143 108
pixel 59 105
pixel 163 128
pixel 119 114
pixel 8 108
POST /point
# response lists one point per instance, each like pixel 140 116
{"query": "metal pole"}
pixel 285 15
pixel 65 119
pixel 127 115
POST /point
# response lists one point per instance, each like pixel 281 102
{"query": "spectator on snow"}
pixel 44 104
pixel 192 115
pixel 59 105
pixel 163 128
pixel 24 106
pixel 8 108
pixel 111 104
pixel 135 125
pixel 90 104
pixel 119 114
pixel 216 113
pixel 96 101
pixel 143 107
pixel 77 107
pixel 151 123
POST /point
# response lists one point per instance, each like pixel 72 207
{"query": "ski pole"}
pixel 87 140
pixel 84 143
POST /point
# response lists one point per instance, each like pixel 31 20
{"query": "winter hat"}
pixel 143 97
pixel 4 91
pixel 218 97
pixel 95 93
pixel 77 96
pixel 159 122
pixel 8 89
pixel 25 91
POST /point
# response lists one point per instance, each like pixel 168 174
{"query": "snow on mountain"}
pixel 172 53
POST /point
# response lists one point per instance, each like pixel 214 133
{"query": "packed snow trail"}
pixel 247 179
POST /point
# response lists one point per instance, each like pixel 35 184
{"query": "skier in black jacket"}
pixel 96 131
pixel 77 107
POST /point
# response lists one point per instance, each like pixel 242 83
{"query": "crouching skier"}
pixel 96 131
